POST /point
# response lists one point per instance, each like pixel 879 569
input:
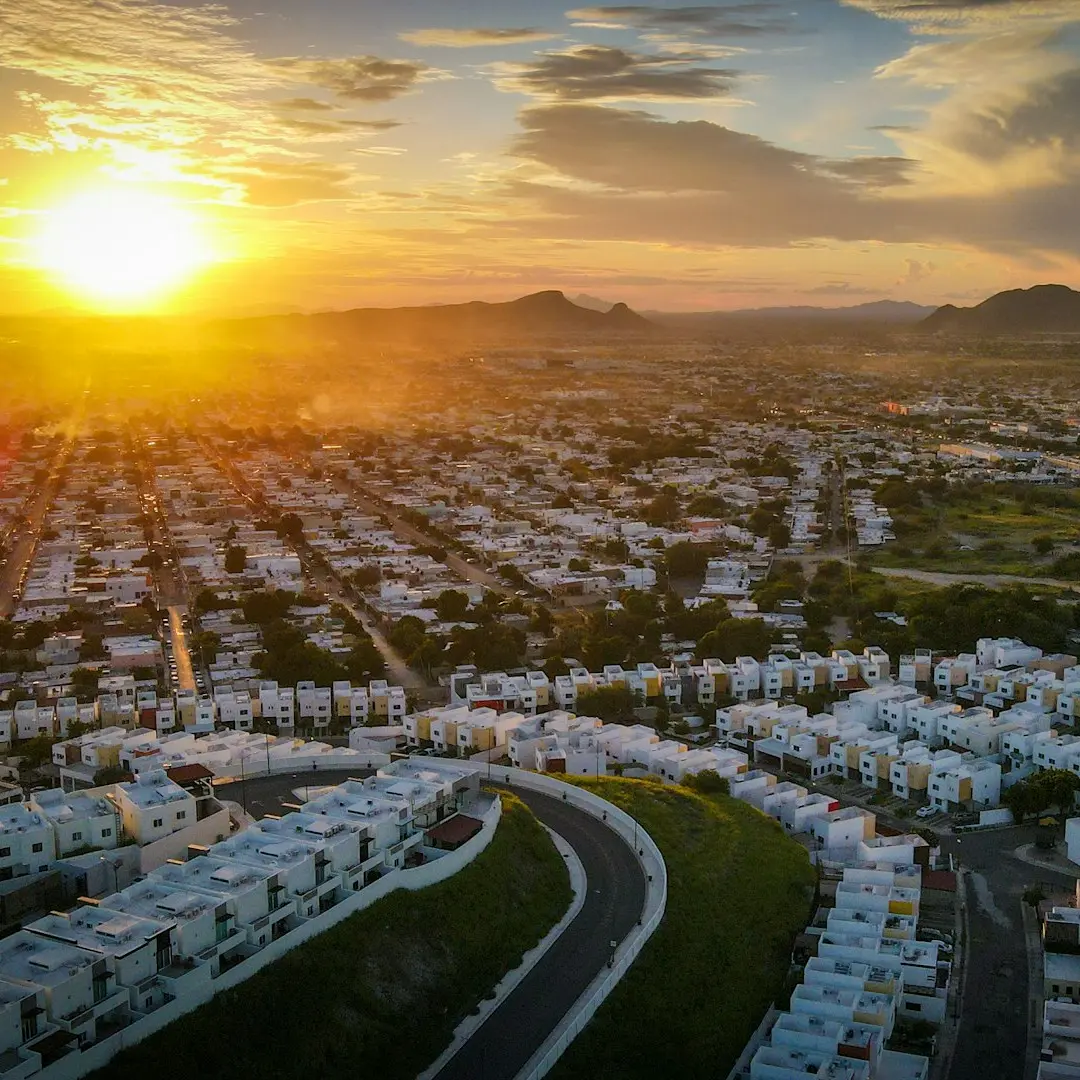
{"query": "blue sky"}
pixel 713 155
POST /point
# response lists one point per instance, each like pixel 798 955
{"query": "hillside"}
pixel 739 889
pixel 1042 309
pixel 540 316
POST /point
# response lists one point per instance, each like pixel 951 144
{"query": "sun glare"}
pixel 120 247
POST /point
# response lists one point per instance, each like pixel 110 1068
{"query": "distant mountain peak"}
pixel 1041 309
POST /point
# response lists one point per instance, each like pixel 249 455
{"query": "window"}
pixel 4 852
pixel 29 1027
pixel 106 832
pixel 76 836
pixel 37 848
pixel 1056 988
pixel 158 822
pixel 180 815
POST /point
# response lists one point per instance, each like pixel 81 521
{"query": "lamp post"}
pixel 115 869
pixel 611 959
pixel 243 784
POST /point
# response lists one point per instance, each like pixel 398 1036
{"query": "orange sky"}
pixel 338 154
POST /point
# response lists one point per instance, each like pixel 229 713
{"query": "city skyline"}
pixel 716 156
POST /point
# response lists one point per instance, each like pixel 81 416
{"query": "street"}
pixel 994 1019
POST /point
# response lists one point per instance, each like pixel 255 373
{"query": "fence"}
pixel 74 1066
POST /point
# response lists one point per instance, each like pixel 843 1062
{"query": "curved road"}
pixel 614 900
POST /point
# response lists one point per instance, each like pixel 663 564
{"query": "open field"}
pixel 383 991
pixel 738 891
pixel 989 529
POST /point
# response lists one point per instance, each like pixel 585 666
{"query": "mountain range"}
pixel 1042 309
pixel 542 315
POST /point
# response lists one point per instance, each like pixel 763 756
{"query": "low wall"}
pixel 74 1066
pixel 254 767
pixel 652 863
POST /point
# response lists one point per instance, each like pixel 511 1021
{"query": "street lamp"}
pixel 611 959
pixel 115 864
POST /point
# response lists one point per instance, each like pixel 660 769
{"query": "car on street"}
pixel 926 812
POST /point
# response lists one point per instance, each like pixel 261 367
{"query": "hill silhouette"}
pixel 543 315
pixel 1042 309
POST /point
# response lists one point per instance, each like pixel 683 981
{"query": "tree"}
pixel 92 648
pixel 235 559
pixel 707 782
pixel 664 509
pixel 577 565
pixel 779 535
pixel 84 682
pixel 407 633
pixel 265 607
pixel 451 605
pixel 612 704
pixel 1043 544
pixel 686 560
pixel 367 576
pixel 736 637
pixel 36 751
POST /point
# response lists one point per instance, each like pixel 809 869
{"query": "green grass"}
pixel 380 993
pixel 738 892
pixel 998 528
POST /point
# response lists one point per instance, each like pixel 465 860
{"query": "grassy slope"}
pixel 381 992
pixel 738 891
pixel 997 527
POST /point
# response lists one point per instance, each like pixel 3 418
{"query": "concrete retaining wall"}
pixel 74 1066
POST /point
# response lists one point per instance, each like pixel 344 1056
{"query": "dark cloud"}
pixel 698 184
pixel 710 21
pixel 601 73
pixel 873 171
pixel 357 78
pixel 470 37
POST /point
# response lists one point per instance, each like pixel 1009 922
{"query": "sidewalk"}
pixel 1033 944
pixel 1047 858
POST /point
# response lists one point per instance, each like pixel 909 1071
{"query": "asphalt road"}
pixel 264 795
pixel 613 904
pixel 25 537
pixel 185 674
pixel 993 1033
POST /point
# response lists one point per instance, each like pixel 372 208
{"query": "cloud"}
pixel 358 78
pixel 916 271
pixel 275 183
pixel 596 173
pixel 305 104
pixel 841 288
pixel 470 37
pixel 970 16
pixel 601 73
pixel 712 21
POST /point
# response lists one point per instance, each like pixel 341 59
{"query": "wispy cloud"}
pixel 471 37
pixel 602 73
pixel 709 21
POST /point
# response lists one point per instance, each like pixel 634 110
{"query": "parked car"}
pixel 926 811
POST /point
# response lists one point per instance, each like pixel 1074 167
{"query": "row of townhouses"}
pixel 73 979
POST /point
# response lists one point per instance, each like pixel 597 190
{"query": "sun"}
pixel 122 246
